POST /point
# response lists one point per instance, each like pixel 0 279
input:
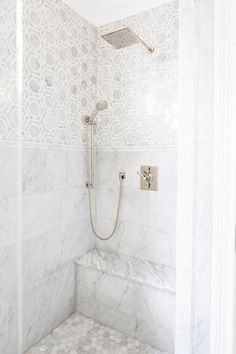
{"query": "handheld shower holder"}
pixel 91 120
pixel 88 120
pixel 122 176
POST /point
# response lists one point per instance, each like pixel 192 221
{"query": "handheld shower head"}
pixel 100 106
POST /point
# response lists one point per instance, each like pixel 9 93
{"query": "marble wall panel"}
pixel 138 310
pixel 55 232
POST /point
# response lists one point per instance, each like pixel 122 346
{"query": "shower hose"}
pixel 117 213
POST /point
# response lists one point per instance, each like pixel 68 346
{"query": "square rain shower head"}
pixel 124 37
pixel 121 38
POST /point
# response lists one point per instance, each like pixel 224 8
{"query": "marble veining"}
pixel 80 335
pixel 144 272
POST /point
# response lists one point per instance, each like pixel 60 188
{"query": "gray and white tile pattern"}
pixel 80 335
pixel 59 73
pixel 141 87
pixel 8 116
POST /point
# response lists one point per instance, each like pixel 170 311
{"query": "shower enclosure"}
pixel 105 129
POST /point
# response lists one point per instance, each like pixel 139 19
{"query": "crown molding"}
pixel 103 12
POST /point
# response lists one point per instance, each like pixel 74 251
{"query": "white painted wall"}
pixel 102 11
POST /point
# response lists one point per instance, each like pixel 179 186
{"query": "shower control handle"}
pixel 148 175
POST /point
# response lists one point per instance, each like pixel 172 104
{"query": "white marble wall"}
pixel 59 88
pixel 138 310
pixel 139 128
pixel 147 227
pixel 8 251
pixel 8 171
pixel 55 229
pixel 132 295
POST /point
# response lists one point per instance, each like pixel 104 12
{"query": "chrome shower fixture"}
pixel 90 122
pixel 125 37
pixel 100 106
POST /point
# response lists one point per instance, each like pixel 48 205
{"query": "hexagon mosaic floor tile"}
pixel 80 335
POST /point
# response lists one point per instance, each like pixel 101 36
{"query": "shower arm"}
pixel 150 49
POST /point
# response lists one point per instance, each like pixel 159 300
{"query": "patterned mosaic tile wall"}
pixel 141 87
pixel 59 72
pixel 8 124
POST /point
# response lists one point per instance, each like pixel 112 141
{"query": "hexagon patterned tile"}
pixel 64 59
pixel 141 87
pixel 8 117
pixel 80 335
pixel 59 73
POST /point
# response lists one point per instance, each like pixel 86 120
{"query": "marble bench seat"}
pixel 156 275
pixel 133 296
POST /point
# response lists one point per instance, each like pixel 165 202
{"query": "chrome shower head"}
pixel 101 105
pixel 123 38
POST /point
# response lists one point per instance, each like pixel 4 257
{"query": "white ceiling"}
pixel 100 12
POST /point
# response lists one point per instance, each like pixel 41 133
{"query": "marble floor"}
pixel 80 335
